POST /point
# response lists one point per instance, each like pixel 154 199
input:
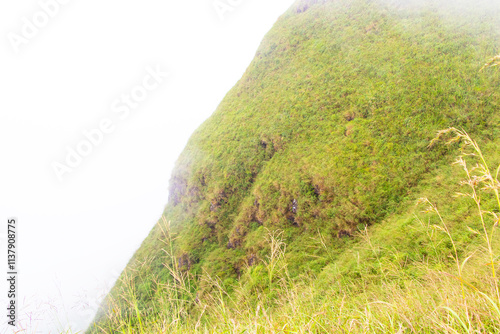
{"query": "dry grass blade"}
pixel 495 61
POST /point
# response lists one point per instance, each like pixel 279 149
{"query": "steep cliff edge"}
pixel 325 134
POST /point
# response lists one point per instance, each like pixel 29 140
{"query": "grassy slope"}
pixel 327 132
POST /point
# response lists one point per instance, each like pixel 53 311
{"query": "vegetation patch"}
pixel 292 207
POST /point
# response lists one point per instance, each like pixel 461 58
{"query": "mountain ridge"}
pixel 326 134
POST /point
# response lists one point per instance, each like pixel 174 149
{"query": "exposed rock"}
pixel 184 263
pixel 251 260
pixel 295 206
pixel 344 233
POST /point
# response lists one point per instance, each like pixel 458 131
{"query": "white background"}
pixel 75 236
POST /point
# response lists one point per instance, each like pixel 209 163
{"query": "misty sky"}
pixel 95 71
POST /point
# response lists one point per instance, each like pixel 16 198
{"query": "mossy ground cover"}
pixel 326 139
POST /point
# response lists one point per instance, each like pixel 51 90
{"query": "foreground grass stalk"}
pixel 482 177
pixel 433 208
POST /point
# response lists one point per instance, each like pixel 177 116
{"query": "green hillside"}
pixel 292 208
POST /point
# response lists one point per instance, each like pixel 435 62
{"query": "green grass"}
pixel 323 146
pixel 375 287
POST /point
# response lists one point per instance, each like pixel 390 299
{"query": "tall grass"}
pixel 459 298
